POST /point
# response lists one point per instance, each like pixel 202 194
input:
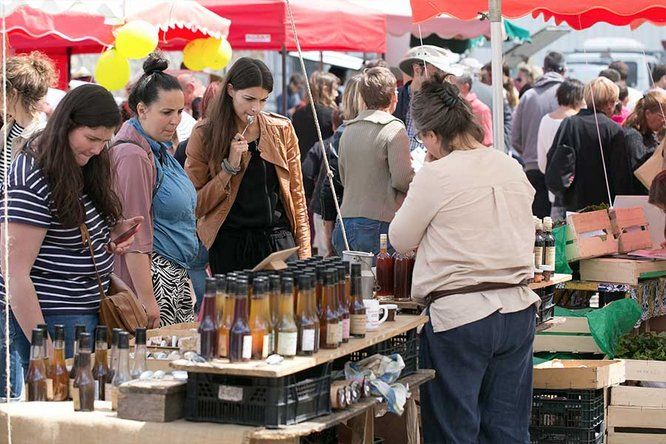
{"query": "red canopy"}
pixel 578 14
pixel 322 25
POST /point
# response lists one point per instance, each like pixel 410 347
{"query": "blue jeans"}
pixel 197 274
pixel 482 391
pixel 362 235
pixel 19 346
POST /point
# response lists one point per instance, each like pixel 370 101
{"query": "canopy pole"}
pixel 283 52
pixel 495 16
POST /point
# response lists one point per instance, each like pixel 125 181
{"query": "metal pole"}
pixel 285 82
pixel 495 15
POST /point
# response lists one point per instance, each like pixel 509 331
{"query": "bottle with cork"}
pixel 549 252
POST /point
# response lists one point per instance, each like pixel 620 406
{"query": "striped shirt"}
pixel 63 273
pixel 15 131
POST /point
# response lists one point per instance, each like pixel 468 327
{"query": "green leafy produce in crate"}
pixel 646 346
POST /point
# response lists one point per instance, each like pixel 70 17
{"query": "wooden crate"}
pixel 630 228
pixel 578 374
pixel 620 271
pixel 152 401
pixel 589 235
pixel 571 336
pixel 638 414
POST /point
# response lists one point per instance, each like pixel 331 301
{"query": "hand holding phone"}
pixel 127 234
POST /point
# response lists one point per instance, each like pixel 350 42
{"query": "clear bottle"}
pixel 59 368
pixel 83 387
pixel 328 322
pixel 113 368
pixel 47 362
pixel 549 246
pixel 259 321
pixel 240 338
pixel 208 327
pixel 312 308
pixel 78 329
pixel 140 364
pixel 100 370
pixel 306 326
pixel 287 331
pixel 274 297
pixel 35 378
pixel 356 308
pixel 343 307
pixel 384 262
pixel 122 374
pixel 539 243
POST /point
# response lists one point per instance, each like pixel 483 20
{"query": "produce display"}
pixel 645 346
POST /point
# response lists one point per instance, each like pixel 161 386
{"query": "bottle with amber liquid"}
pixel 208 326
pixel 356 308
pixel 259 323
pixel 140 363
pixel 286 330
pixel 100 370
pixel 35 378
pixel 83 387
pixel 220 298
pixel 328 322
pixel 47 362
pixel 240 337
pixel 312 307
pixel 78 329
pixel 384 262
pixel 122 374
pixel 59 368
pixel 306 326
pixel 274 296
pixel 223 330
pixel 343 304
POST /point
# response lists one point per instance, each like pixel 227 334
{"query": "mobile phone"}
pixel 127 234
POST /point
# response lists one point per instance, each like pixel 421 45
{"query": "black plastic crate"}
pixel 406 344
pixel 556 435
pixel 580 409
pixel 249 400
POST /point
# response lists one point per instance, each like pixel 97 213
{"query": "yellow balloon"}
pixel 194 55
pixel 136 39
pixel 218 53
pixel 112 70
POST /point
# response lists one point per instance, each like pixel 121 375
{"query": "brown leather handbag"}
pixel 120 308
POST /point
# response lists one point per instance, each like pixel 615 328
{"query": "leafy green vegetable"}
pixel 648 346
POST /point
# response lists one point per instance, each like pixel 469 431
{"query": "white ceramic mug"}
pixel 372 309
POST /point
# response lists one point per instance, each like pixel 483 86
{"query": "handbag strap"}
pixel 85 235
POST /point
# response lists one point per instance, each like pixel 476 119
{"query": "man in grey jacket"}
pixel 536 103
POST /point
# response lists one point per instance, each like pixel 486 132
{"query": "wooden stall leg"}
pixel 412 422
pixel 363 427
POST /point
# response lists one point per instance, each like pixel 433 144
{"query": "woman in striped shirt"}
pixel 60 181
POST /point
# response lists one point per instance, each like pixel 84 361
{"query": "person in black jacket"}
pixel 575 165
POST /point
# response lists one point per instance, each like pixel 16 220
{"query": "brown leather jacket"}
pixel 217 189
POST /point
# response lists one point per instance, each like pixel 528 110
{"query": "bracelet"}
pixel 226 166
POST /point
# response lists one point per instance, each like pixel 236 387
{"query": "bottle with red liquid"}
pixel 240 338
pixel 384 262
pixel 208 326
pixel 403 266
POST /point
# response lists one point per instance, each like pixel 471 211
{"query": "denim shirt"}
pixel 174 203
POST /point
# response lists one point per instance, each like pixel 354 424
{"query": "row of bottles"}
pixel 544 246
pixel 394 273
pixel 86 381
pixel 313 304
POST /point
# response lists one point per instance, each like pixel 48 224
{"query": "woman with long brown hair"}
pixel 246 167
pixel 58 184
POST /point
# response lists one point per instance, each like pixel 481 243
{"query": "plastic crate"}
pixel 269 402
pixel 547 307
pixel 406 344
pixel 579 409
pixel 556 435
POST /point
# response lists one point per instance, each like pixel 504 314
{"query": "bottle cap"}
pixel 356 270
pixel 85 341
pixel 102 333
pixel 259 286
pixel 221 283
pixel 329 276
pixel 304 281
pixel 123 342
pixel 287 284
pixel 140 336
pixel 274 281
pixel 115 336
pixel 59 332
pixel 211 286
pixel 44 328
pixel 241 287
pixel 37 337
pixel 78 329
pixel 231 285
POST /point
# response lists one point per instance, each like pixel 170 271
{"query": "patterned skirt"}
pixel 171 286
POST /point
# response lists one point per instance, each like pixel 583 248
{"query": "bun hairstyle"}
pixel 438 107
pixel 30 76
pixel 153 80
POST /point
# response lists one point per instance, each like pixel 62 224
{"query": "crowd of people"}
pixel 410 156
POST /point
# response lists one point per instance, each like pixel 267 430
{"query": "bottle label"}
pixel 271 343
pixel 345 328
pixel 358 324
pixel 76 399
pixel 308 340
pixel 338 338
pixel 287 342
pixel 266 346
pixel 49 389
pixel 538 256
pixel 247 347
pixel 332 334
pixel 550 257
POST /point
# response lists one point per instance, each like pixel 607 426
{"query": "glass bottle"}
pixel 113 368
pixel 328 322
pixel 274 296
pixel 259 322
pixel 122 374
pixel 240 338
pixel 384 269
pixel 399 275
pixel 538 243
pixel 227 317
pixel 140 353
pixel 47 362
pixel 356 308
pixel 319 289
pixel 312 308
pixel 35 378
pixel 287 331
pixel 78 329
pixel 208 327
pixel 220 298
pixel 83 387
pixel 306 326
pixel 100 370
pixel 59 368
pixel 549 245
pixel 343 307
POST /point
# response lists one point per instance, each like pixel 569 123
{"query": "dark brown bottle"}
pixel 539 243
pixel 100 370
pixel 208 325
pixel 59 368
pixel 240 338
pixel 78 329
pixel 343 307
pixel 35 378
pixel 83 392
pixel 356 308
pixel 384 269
pixel 328 322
